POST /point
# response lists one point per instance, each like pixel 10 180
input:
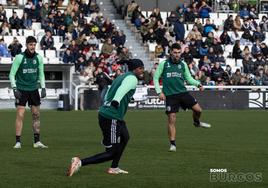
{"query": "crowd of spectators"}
pixel 204 46
pixel 92 42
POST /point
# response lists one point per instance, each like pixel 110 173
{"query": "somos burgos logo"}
pixel 222 175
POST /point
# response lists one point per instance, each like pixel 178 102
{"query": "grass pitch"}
pixel 237 142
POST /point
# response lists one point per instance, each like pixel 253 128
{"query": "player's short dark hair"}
pixel 175 46
pixel 31 39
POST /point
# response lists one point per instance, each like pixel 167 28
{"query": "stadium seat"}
pixel 189 27
pixel 22 40
pixel 45 60
pixel 36 25
pixel 50 53
pixel 39 33
pixel 164 16
pixel 144 13
pixel 223 16
pixel 41 52
pixel 231 62
pixel 229 49
pixel 9 13
pixel 53 60
pixel 213 15
pixel 19 12
pixel 4 93
pixel 57 39
pixel 5 60
pixel 28 32
pixel 8 40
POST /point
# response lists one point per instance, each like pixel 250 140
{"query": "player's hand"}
pixel 17 93
pixel 162 96
pixel 43 93
pixel 201 88
pixel 115 104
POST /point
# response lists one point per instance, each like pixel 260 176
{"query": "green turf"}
pixel 237 141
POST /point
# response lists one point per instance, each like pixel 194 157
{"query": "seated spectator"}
pixel 203 50
pixel 256 48
pixel 194 34
pixel 27 22
pixel 187 56
pixel 246 37
pixel 259 61
pixel 93 41
pixel 204 62
pixel 5 29
pixel 264 23
pixel 236 77
pixel 237 52
pixel 229 23
pixel 68 56
pixel 107 48
pixel 265 78
pixel 15 47
pixel 209 27
pixel 179 29
pixel 204 10
pixel 234 36
pixel 217 73
pixel 248 65
pixel 3 49
pixel 253 13
pixel 246 52
pixel 2 14
pixel 237 23
pixel 225 38
pixel 47 41
pixel 130 8
pixel 119 39
pixel 159 51
pixel 244 13
pixel 258 35
pixel 94 59
pixel 189 15
pixel 15 22
pixel 151 37
pixel 211 55
pixel 264 50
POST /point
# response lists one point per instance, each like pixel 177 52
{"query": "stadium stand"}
pixel 72 23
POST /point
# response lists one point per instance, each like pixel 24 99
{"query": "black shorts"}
pixel 182 100
pixel 32 97
pixel 113 131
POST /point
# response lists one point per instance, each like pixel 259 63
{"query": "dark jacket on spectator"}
pixel 179 30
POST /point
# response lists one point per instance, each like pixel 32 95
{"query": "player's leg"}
pixel 108 128
pixel 34 103
pixel 197 110
pixel 172 131
pixel 19 125
pixel 20 106
pixel 172 107
pixel 124 137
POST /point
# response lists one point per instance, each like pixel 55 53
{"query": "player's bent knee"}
pixel 36 116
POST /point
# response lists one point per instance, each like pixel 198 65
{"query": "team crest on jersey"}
pixel 25 62
pixel 168 108
pixel 34 62
pixel 179 66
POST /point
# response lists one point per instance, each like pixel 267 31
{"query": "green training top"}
pixel 173 77
pixel 121 90
pixel 25 72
